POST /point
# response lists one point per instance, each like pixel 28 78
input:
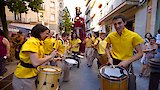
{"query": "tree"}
pixel 66 18
pixel 17 7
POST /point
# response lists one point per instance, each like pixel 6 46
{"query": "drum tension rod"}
pixel 52 85
pixel 44 83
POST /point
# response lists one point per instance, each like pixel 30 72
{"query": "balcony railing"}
pixel 116 3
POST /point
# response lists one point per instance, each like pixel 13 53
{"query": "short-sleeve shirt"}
pixel 101 48
pixel 31 45
pixel 96 41
pixel 122 46
pixel 59 46
pixel 75 42
pixel 88 42
pixel 48 45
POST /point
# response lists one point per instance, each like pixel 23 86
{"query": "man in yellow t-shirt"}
pixel 101 49
pixel 61 46
pixel 88 49
pixel 95 39
pixel 122 43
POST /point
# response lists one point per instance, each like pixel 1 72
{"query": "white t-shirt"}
pixel 158 38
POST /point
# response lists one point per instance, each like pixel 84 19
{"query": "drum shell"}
pixel 109 84
pixel 48 80
pixel 154 64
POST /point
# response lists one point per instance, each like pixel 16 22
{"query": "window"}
pixel 52 17
pixel 60 5
pixel 52 5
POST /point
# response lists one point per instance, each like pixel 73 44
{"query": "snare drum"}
pixel 48 78
pixel 80 56
pixel 71 61
pixel 113 78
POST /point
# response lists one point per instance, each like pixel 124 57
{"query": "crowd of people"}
pixel 41 48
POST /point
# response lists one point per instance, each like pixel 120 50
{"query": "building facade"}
pixel 142 15
pixel 49 15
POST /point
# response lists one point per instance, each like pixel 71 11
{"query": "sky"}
pixel 71 4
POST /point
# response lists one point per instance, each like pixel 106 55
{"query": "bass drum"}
pixel 48 78
pixel 113 78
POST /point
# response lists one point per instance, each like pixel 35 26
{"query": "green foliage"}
pixel 17 6
pixel 35 5
pixel 66 20
pixel 21 6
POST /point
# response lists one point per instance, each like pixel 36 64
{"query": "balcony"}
pixel 116 6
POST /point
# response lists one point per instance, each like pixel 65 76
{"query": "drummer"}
pixel 49 43
pixel 75 45
pixel 101 49
pixel 123 42
pixel 31 56
pixel 62 45
pixel 88 49
pixel 95 48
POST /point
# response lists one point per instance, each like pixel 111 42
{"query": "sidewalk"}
pixel 6 81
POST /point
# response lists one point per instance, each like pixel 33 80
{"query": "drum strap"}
pixel 27 65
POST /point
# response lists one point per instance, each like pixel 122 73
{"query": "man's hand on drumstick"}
pixel 110 61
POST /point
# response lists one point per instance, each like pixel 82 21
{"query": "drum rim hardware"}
pixel 71 59
pixel 57 70
pixel 113 78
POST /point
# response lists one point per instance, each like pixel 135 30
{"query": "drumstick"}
pixel 112 66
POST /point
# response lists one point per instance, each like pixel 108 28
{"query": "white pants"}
pixel 89 54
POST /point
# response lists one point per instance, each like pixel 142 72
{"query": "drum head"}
pixel 71 61
pixel 80 56
pixel 49 69
pixel 113 73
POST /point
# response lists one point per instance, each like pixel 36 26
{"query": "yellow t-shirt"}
pixel 96 41
pixel 88 42
pixel 75 45
pixel 48 45
pixel 31 45
pixel 123 46
pixel 59 46
pixel 93 38
pixel 101 48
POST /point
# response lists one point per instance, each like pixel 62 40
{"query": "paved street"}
pixel 83 78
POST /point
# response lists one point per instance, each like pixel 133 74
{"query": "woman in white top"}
pixel 149 49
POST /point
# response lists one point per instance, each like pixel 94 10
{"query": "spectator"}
pixel 149 50
pixel 4 52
